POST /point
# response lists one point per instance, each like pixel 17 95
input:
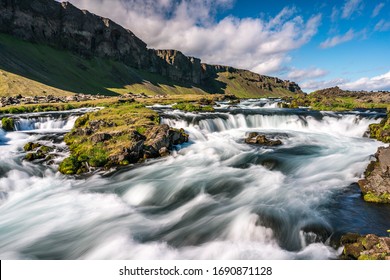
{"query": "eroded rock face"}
pixel 62 25
pixel 376 185
pixel 365 247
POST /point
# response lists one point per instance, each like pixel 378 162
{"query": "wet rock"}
pixel 376 184
pixel 161 137
pixel 38 151
pixel 8 124
pixel 259 139
pixel 365 247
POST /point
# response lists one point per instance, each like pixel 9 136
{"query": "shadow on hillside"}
pixel 73 73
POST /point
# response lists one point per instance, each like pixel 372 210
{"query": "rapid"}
pixel 215 197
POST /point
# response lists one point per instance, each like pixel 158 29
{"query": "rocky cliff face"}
pixel 63 26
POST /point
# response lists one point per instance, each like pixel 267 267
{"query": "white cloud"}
pixel 350 7
pixel 304 74
pixel 335 14
pixel 336 40
pixel 191 27
pixel 377 9
pixel 382 26
pixel 313 85
pixel 381 82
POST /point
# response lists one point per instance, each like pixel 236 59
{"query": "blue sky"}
pixel 315 43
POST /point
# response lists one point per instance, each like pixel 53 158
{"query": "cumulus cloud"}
pixel 381 82
pixel 260 45
pixel 304 74
pixel 350 7
pixel 377 9
pixel 382 26
pixel 336 40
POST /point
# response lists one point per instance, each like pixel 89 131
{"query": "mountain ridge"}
pixel 65 27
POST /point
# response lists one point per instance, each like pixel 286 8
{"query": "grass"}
pixel 320 103
pixel 118 120
pixel 191 107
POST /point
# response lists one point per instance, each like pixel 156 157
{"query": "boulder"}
pixel 100 137
pixel 376 184
pixel 161 138
pixel 365 247
pixel 255 138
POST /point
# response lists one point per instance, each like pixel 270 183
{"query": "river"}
pixel 215 197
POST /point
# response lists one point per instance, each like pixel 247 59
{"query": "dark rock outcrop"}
pixel 161 139
pixel 365 247
pixel 376 184
pixel 259 139
pixel 63 26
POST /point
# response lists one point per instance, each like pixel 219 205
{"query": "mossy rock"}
pixel 30 146
pixel 8 124
pixel 69 166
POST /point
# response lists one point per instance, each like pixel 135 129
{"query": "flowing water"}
pixel 213 198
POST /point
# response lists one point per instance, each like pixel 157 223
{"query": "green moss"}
pixel 69 166
pixel 98 157
pixel 8 124
pixel 371 197
pixel 191 107
pixel 367 257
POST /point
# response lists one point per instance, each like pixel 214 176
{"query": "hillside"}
pixel 51 47
pixel 360 96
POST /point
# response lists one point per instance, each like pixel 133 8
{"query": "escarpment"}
pixel 65 27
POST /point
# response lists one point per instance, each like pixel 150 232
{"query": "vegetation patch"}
pixel 119 134
pixel 8 124
pixel 191 107
pixel 377 198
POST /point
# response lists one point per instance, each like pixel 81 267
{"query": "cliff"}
pixel 64 27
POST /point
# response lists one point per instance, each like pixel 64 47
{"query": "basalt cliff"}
pixel 64 27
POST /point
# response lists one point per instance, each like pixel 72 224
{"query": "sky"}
pixel 317 44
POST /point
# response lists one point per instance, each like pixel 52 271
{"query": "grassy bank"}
pixel 316 102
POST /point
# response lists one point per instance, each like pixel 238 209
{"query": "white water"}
pixel 45 123
pixel 214 198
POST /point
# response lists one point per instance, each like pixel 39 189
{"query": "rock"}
pixel 30 146
pixel 100 137
pixel 376 184
pixel 365 247
pixel 255 138
pixel 162 138
pixel 37 151
pixel 8 124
